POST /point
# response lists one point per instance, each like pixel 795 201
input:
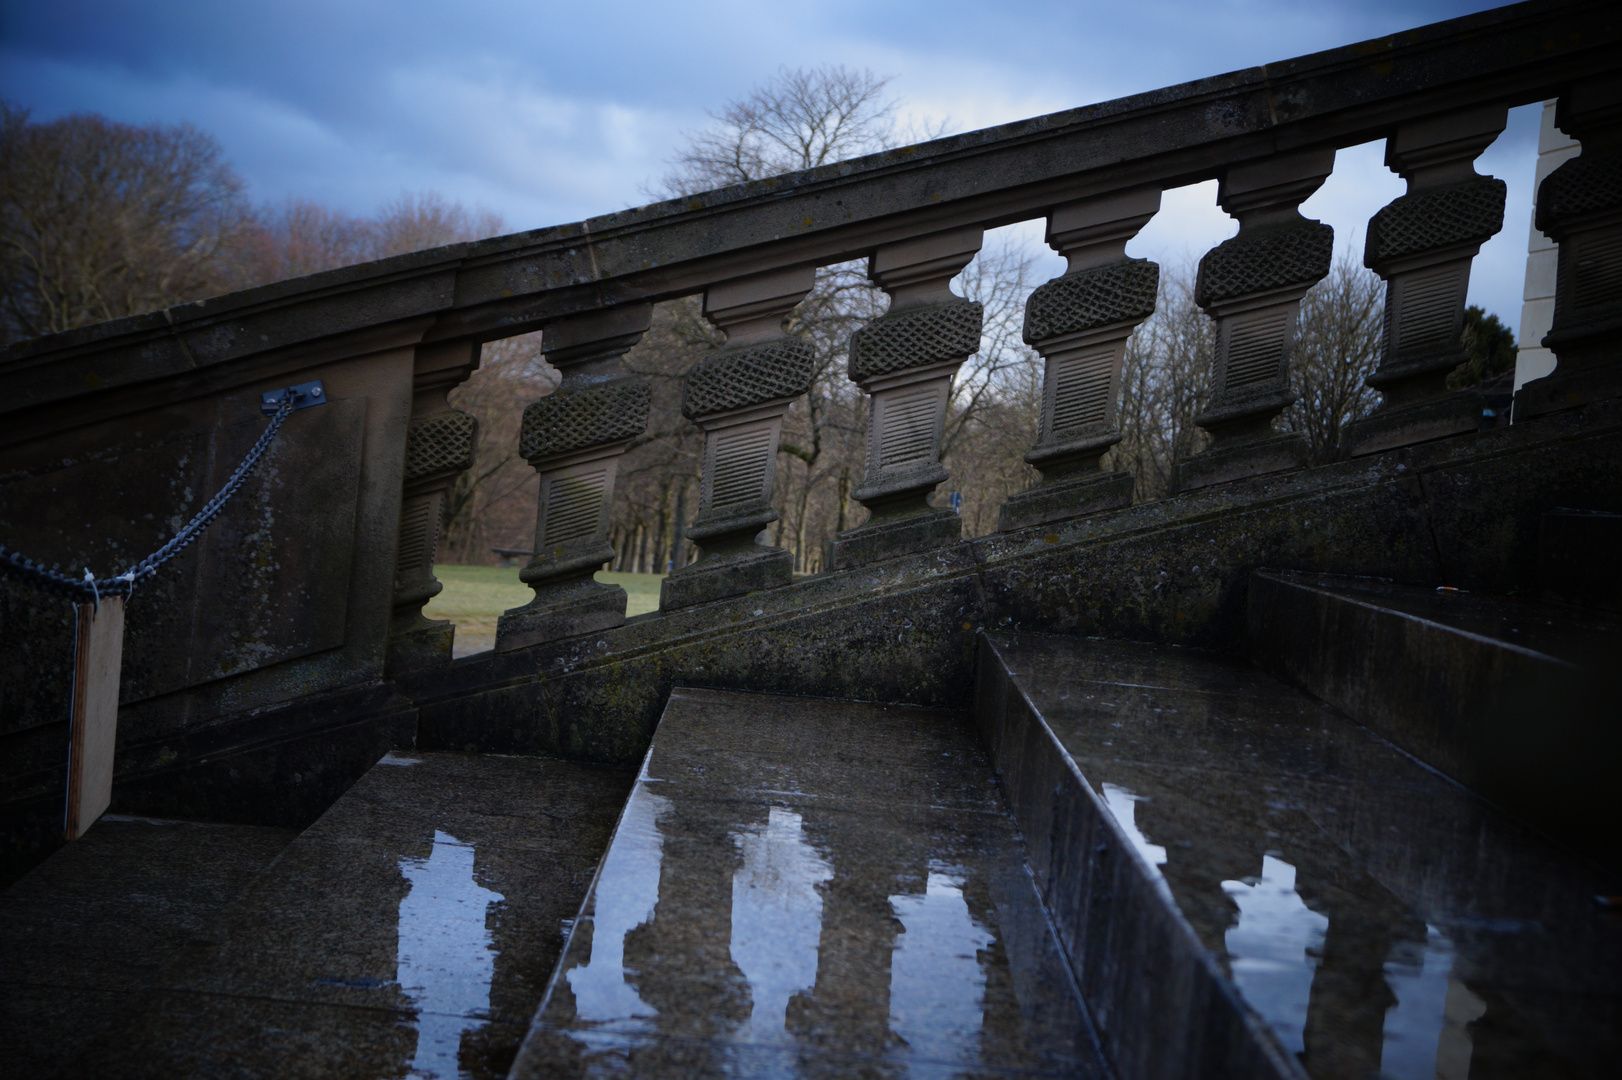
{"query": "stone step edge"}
pixel 1162 1005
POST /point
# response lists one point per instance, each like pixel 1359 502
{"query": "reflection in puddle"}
pixel 937 984
pixel 1271 947
pixel 627 891
pixel 776 919
pixel 445 957
pixel 1425 1034
pixel 1123 804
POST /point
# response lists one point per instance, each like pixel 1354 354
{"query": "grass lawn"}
pixel 474 596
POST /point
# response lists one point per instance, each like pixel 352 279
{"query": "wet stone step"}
pixel 87 930
pixel 1229 860
pixel 807 888
pixel 409 932
pixel 1513 698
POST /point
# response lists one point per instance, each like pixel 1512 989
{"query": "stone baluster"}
pixel 439 445
pixel 1079 323
pixel 1422 245
pixel 574 438
pixel 1579 206
pixel 738 396
pixel 1252 286
pixel 905 360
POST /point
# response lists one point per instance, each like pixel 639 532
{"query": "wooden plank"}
pixel 98 654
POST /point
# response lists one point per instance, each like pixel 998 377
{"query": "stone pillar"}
pixel 738 395
pixel 439 446
pixel 574 438
pixel 905 360
pixel 1580 207
pixel 1252 286
pixel 1079 323
pixel 1422 244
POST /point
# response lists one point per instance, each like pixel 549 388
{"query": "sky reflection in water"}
pixel 1273 949
pixel 937 977
pixel 445 957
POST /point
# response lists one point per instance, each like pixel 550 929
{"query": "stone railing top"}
pixel 512 284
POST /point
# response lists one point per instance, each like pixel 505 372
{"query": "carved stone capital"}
pixel 1286 258
pixel 734 378
pixel 916 337
pixel 1099 296
pixel 1464 214
pixel 438 445
pixel 576 418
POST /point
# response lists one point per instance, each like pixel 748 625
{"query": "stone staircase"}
pixel 1128 860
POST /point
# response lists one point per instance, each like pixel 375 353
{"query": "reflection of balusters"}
pixel 905 360
pixel 1422 244
pixel 738 395
pixel 1252 285
pixel 1579 206
pixel 439 445
pixel 1080 323
pixel 574 438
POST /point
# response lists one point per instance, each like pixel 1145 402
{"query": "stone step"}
pixel 1247 883
pixel 96 923
pixel 1515 699
pixel 804 887
pixel 409 931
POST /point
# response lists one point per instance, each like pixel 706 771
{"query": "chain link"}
pixel 90 589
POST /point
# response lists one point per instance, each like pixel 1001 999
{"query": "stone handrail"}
pixel 1438 95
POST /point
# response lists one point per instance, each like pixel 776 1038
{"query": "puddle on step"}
pixel 1273 949
pixel 937 981
pixel 626 894
pixel 445 958
pixel 1277 954
pixel 751 947
pixel 776 919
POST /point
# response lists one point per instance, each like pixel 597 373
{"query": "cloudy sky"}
pixel 551 112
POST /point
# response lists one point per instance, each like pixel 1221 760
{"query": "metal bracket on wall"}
pixel 304 395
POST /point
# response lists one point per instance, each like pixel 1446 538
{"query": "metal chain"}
pixel 90 589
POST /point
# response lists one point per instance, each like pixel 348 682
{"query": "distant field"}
pixel 475 596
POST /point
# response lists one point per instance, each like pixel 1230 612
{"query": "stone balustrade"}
pixel 1437 95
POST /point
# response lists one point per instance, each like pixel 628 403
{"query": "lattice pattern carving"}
pixel 439 443
pixel 749 375
pixel 1274 257
pixel 1468 212
pixel 1586 184
pixel 590 416
pixel 909 339
pixel 1087 299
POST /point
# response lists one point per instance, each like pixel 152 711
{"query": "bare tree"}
pixel 1337 345
pixel 100 220
pixel 798 119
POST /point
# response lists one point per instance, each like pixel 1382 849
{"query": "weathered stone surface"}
pixel 916 337
pixel 440 443
pixel 575 419
pixel 1264 259
pixel 721 577
pixel 1059 500
pixel 1587 184
pixel 749 375
pixel 1220 464
pixel 1469 212
pixel 1473 521
pixel 1087 299
pixel 888 538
